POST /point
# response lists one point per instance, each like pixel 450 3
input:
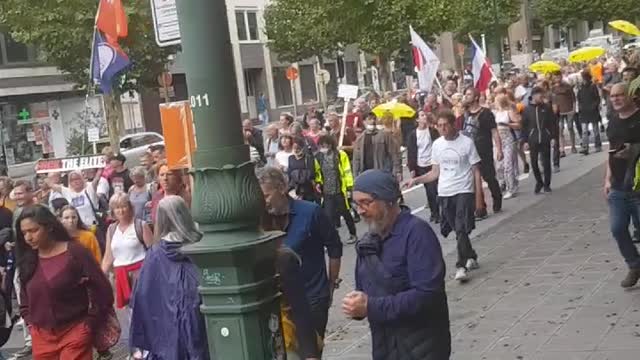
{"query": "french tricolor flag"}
pixel 480 68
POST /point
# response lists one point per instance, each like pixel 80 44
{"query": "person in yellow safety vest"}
pixel 336 180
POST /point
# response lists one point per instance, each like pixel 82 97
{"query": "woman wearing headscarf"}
pixel 171 326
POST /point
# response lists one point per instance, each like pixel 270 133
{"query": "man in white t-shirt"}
pixel 456 168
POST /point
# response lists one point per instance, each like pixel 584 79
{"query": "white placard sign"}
pixel 348 91
pixel 70 163
pixel 93 134
pixel 165 22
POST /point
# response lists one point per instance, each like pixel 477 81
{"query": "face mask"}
pixel 324 150
pixel 380 127
pixel 370 127
pixel 298 153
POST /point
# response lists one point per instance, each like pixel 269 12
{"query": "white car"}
pixel 132 146
pixel 634 43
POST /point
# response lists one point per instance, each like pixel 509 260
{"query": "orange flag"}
pixel 112 20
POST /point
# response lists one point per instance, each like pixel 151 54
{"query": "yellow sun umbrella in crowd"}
pixel 544 67
pixel 397 109
pixel 586 54
pixel 625 27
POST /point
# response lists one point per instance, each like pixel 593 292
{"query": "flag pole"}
pixel 90 82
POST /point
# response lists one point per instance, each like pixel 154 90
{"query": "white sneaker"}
pixel 508 195
pixel 472 264
pixel 461 275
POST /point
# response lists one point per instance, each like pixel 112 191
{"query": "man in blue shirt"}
pixel 399 276
pixel 309 233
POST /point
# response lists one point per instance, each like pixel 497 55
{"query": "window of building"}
pixel 351 71
pixel 308 83
pixel 247 25
pixel 13 52
pixel 241 25
pixel 282 87
pixel 16 52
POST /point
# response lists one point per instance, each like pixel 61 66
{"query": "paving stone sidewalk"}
pixel 548 288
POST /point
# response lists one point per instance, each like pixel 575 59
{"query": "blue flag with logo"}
pixel 108 60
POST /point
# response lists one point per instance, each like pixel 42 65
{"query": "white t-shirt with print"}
pixel 455 159
pixel 82 202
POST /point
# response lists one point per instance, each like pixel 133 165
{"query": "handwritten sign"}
pixel 70 164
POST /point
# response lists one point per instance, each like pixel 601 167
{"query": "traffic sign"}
pixel 165 22
pixel 93 134
pixel 292 73
pixel 323 76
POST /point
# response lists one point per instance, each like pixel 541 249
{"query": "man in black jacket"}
pixel 589 105
pixel 538 121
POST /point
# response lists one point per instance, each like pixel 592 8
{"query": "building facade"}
pixel 41 113
pixel 260 72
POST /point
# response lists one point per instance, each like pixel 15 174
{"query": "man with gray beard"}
pixel 399 276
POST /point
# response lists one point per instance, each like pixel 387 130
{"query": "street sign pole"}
pixel 294 98
pixel 240 300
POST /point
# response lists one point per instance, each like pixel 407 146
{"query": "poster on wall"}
pixel 31 136
pixel 47 138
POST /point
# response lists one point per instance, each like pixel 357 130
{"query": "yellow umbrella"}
pixel 544 67
pixel 625 27
pixel 397 109
pixel 586 54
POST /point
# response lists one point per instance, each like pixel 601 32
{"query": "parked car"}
pixel 132 146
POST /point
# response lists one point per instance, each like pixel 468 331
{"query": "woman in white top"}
pixel 81 195
pixel 286 150
pixel 127 242
pixel 508 120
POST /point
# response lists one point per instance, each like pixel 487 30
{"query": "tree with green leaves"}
pixel 301 29
pixel 490 17
pixel 62 30
pixel 383 26
pixel 567 13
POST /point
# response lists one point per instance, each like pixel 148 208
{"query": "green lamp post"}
pixel 236 259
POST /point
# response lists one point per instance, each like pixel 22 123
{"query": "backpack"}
pixel 138 227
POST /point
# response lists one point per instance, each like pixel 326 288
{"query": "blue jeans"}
pixel 622 206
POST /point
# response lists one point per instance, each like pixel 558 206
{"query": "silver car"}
pixel 132 146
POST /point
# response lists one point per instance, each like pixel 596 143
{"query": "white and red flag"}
pixel 425 61
pixel 480 68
